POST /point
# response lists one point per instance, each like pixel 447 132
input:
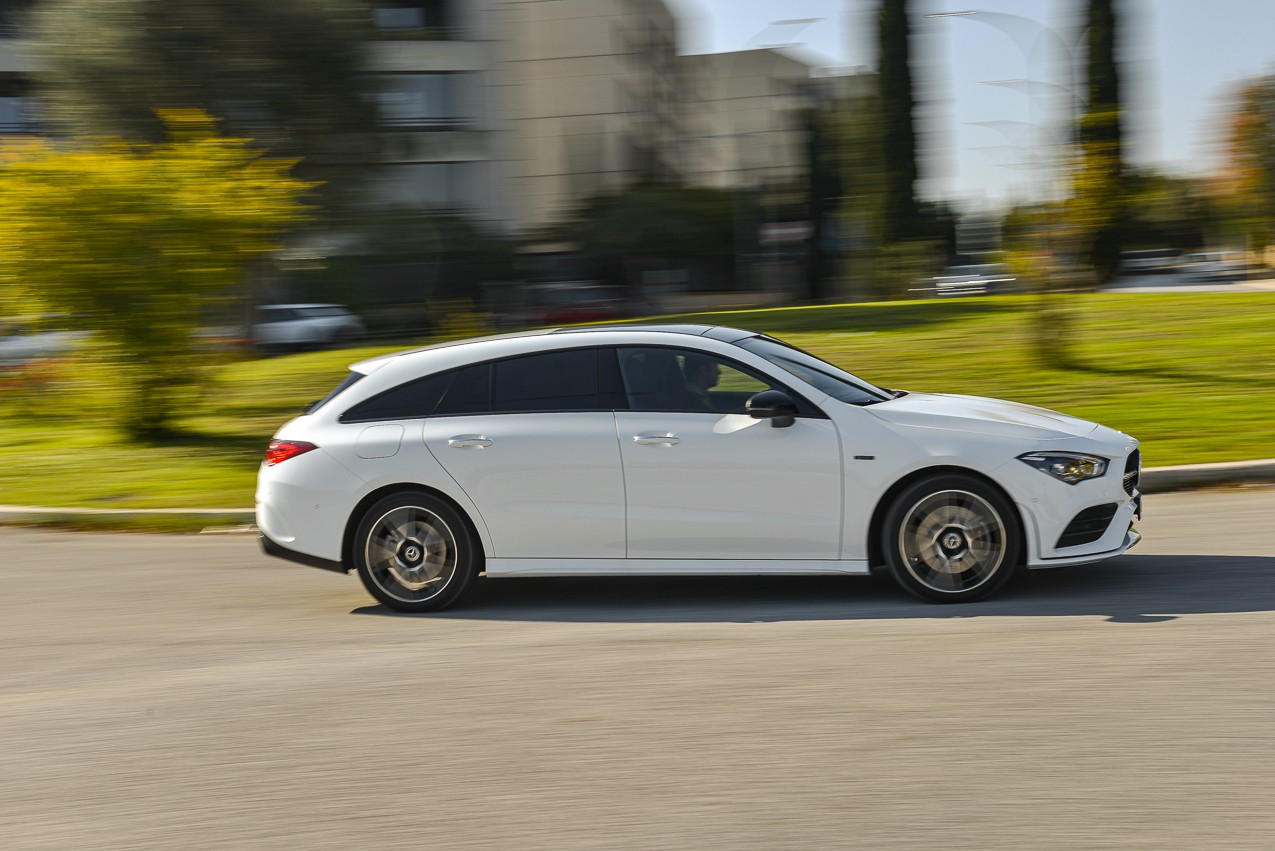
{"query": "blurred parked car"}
pixel 976 279
pixel 295 327
pixel 1150 261
pixel 22 344
pixel 1215 265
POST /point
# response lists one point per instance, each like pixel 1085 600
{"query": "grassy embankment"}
pixel 1191 375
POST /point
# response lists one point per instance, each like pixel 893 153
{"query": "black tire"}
pixel 416 553
pixel 951 539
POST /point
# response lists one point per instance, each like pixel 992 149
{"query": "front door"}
pixel 705 481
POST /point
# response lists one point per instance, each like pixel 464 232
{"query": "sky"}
pixel 1181 59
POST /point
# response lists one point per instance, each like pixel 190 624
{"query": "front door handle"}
pixel 467 441
pixel 656 439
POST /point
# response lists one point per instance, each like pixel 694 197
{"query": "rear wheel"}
pixel 951 539
pixel 415 553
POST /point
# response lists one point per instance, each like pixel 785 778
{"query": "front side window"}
pixel 680 380
pixel 277 314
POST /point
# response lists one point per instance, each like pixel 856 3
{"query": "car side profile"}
pixel 297 327
pixel 679 450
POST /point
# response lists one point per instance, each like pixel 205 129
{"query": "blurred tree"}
pixel 138 238
pixel 858 136
pixel 824 173
pixel 286 73
pixel 1244 191
pixel 654 222
pixel 1163 210
pixel 1102 143
pixel 898 148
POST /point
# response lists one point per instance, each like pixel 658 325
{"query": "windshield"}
pixel 822 375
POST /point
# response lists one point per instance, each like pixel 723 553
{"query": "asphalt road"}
pixel 188 693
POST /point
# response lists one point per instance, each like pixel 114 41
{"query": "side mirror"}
pixel 773 405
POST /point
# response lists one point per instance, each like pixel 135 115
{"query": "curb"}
pixel 1153 480
pixel 38 512
pixel 219 520
pixel 1185 476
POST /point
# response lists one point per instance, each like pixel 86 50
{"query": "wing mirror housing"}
pixel 773 405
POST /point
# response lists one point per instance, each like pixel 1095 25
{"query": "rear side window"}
pixel 470 393
pixel 554 381
pixel 412 400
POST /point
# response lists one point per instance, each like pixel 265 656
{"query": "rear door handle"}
pixel 656 439
pixel 467 441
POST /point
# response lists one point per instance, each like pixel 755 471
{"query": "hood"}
pixel 979 415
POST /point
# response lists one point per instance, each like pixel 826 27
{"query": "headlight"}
pixel 1069 467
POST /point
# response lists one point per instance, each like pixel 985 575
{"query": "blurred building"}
pixel 507 110
pixel 514 110
pixel 19 59
pixel 748 110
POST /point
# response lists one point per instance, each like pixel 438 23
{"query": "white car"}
pixel 1216 266
pixel 979 279
pixel 281 327
pixel 678 450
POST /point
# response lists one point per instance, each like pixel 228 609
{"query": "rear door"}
pixel 534 446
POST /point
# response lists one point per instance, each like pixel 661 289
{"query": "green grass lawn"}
pixel 1191 375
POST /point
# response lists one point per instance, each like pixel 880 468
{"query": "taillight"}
pixel 281 450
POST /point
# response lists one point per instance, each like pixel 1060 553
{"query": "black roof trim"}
pixel 713 332
pixel 693 330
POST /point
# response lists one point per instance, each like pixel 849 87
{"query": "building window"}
pixel 17 115
pixel 419 18
pixel 422 185
pixel 416 101
pixel 17 107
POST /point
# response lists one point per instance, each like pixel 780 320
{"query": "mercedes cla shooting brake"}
pixel 678 450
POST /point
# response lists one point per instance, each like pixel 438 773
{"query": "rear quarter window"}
pixel 412 400
pixel 350 381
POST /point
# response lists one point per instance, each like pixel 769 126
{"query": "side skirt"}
pixel 498 567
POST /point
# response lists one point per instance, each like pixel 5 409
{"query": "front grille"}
pixel 1087 526
pixel 1132 468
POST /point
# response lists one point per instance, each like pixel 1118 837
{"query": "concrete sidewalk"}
pixel 1154 480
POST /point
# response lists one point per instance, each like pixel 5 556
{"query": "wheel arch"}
pixel 371 498
pixel 876 557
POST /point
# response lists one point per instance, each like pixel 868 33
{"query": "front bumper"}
pixel 1055 515
pixel 1131 539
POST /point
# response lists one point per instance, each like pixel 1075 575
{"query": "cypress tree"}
pixel 1104 78
pixel 898 132
pixel 1101 132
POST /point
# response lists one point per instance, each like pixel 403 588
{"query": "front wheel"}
pixel 951 539
pixel 415 553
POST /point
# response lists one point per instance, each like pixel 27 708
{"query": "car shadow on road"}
pixel 1129 589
